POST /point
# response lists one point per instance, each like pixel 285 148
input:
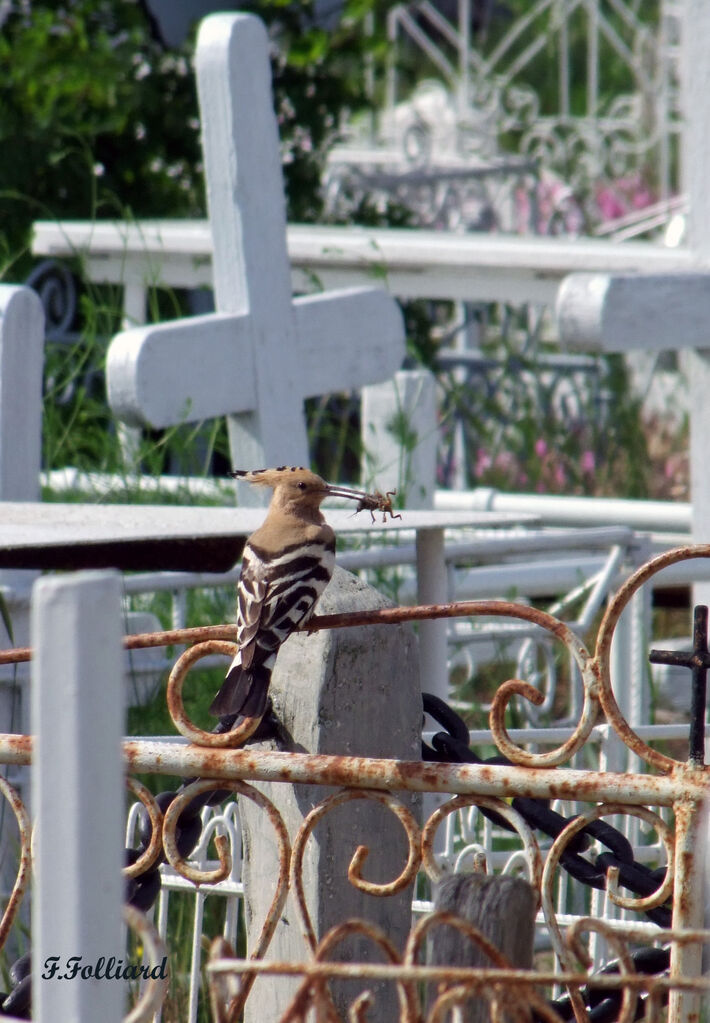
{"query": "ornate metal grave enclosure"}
pixel 656 849
pixel 606 111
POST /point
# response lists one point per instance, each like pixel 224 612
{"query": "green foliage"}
pixel 91 108
pixel 96 118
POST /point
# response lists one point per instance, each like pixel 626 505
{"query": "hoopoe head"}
pixel 295 488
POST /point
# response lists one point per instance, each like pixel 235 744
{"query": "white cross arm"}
pixel 203 366
pixel 365 333
pixel 620 313
pixel 180 371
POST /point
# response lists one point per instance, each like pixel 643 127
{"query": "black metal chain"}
pixel 452 747
pixel 18 1002
pixel 603 1005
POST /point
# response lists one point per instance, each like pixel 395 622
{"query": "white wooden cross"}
pixel 262 352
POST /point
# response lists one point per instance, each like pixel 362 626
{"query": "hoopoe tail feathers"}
pixel 242 692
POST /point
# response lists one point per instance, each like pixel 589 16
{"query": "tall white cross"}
pixel 262 352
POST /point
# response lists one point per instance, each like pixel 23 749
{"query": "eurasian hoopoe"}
pixel 286 565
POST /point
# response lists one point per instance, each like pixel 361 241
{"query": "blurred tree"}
pixel 97 117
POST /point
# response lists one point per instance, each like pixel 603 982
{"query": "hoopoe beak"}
pixel 347 492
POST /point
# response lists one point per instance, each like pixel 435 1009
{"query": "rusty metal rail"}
pixel 350 619
pixel 671 785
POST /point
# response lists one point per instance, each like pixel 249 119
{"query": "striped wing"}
pixel 276 594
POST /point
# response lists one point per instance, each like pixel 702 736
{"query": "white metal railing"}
pixel 492 92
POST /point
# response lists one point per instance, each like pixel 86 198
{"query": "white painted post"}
pixel 399 436
pixel 262 352
pixel 77 795
pixel 240 147
pixel 624 312
pixel 695 155
pixel 399 439
pixel 21 361
pixel 433 588
pixel 135 299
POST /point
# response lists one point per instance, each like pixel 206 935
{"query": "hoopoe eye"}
pixel 301 486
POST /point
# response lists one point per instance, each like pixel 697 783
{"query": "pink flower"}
pixel 483 461
pixel 610 204
pixel 588 462
pixel 540 447
pixel 504 461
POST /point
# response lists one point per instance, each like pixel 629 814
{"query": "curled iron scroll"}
pixel 602 653
pixel 405 878
pixel 221 740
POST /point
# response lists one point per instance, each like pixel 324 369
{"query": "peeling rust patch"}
pixel 392 775
pixel 16 749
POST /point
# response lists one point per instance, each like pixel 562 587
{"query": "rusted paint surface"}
pixel 514 989
pixel 153 993
pixel 237 736
pixel 463 974
pixel 689 901
pixel 16 749
pixel 23 870
pixel 532 850
pixel 405 878
pixel 566 953
pixel 349 619
pixel 391 775
pixel 170 823
pixel 150 855
pixel 180 760
pixel 145 640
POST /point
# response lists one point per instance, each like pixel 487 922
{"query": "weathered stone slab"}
pixel 354 692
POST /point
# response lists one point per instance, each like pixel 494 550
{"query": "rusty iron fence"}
pixel 665 801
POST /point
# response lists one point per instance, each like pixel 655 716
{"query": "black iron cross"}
pixel 698 660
